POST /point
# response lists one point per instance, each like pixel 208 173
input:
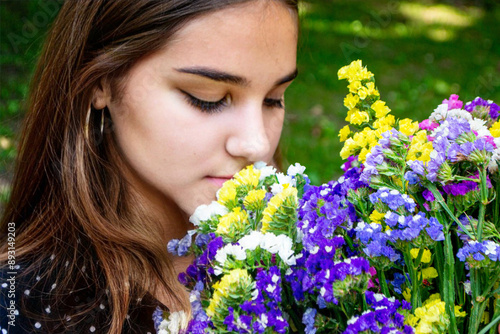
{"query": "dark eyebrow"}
pixel 215 75
pixel 229 78
pixel 287 78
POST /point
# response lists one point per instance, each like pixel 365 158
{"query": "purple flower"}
pixel 479 104
pixel 428 196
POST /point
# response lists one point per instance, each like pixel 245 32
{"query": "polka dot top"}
pixel 26 306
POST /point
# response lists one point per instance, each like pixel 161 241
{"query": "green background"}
pixel 420 53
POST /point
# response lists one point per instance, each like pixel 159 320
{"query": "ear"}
pixel 101 96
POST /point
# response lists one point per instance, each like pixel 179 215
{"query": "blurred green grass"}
pixel 420 52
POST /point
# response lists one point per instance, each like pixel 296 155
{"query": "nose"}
pixel 250 136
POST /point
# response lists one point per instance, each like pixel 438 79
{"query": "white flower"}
pixel 285 179
pixel 478 125
pixel 439 113
pixel 235 250
pixel 265 170
pixel 295 169
pixel 205 212
pixel 276 188
pixel 176 322
pixel 491 248
pixel 251 241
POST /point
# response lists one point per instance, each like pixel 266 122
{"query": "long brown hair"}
pixel 70 202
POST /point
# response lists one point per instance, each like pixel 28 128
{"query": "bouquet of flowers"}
pixel 406 241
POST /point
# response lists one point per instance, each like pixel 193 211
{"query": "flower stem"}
pixel 449 281
pixel 482 204
pixel 383 283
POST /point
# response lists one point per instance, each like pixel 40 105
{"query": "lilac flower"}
pixel 411 177
pixel 417 166
pixel 308 319
pixel 479 251
pixel 393 198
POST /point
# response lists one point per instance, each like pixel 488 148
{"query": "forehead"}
pixel 257 29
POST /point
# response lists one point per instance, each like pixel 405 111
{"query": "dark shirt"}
pixel 25 307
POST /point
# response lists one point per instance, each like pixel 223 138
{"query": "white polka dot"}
pixel 53 286
pixel 66 264
pixel 68 318
pixel 17 266
pixel 127 317
pixel 4 285
pixel 139 300
pixel 38 325
pixel 52 257
pixel 4 331
pixel 92 329
pixel 38 277
pixel 102 306
pixel 47 309
pixel 27 292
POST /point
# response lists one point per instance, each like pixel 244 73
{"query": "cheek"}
pixel 274 125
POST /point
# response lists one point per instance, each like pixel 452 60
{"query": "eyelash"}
pixel 215 107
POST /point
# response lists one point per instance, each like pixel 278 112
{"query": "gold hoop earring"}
pixel 87 122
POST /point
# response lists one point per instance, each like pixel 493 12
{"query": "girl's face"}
pixel 208 104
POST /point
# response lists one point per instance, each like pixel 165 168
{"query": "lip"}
pixel 218 180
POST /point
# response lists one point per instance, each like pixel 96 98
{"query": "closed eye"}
pixel 274 103
pixel 209 107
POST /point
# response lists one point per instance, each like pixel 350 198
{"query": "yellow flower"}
pixel 384 122
pixel 420 148
pixel 351 100
pixel 408 127
pixel 247 177
pixel 354 72
pixel 431 317
pixel 254 200
pixel 363 93
pixel 344 133
pixel 228 284
pixel 376 216
pixel 275 203
pixel 429 273
pixel 360 117
pixel 362 154
pixel 349 148
pixel 426 256
pixel 360 139
pixel 495 129
pixel 407 294
pixel 227 194
pixel 459 313
pixel 354 86
pixel 370 86
pixel 381 110
pixel 232 222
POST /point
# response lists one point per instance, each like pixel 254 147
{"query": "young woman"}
pixel 139 111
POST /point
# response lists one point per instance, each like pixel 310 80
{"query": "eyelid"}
pixel 209 107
